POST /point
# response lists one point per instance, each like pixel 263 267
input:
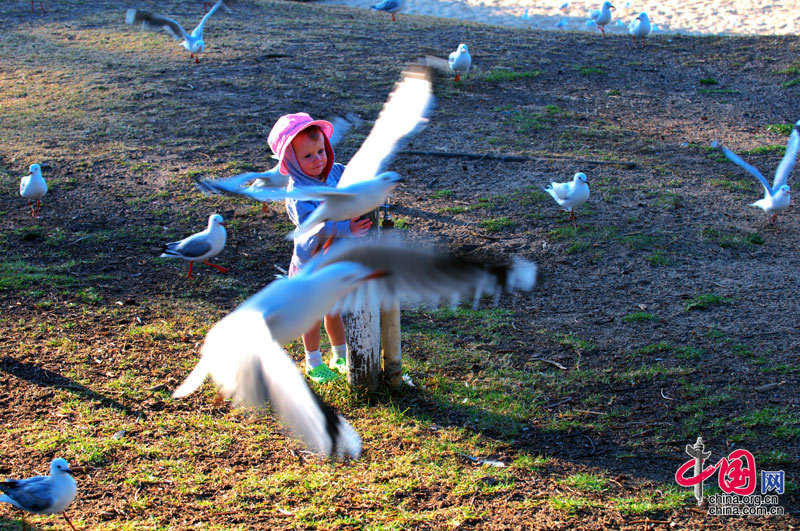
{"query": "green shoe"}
pixel 339 365
pixel 321 374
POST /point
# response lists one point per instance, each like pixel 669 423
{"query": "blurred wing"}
pixel 417 275
pixel 32 494
pixel 269 182
pixel 736 159
pixel 199 29
pixel 437 63
pixel 151 22
pixel 787 162
pixel 404 113
pixel 23 183
pixel 251 368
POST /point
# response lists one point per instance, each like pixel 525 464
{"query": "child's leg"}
pixel 311 344
pixel 334 326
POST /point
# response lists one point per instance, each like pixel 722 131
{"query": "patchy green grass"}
pixel 497 224
pixel 500 75
pixel 636 317
pixel 705 301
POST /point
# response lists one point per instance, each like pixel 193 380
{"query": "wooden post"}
pixel 363 332
pixel 390 343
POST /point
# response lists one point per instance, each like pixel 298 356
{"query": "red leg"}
pixel 70 523
pixel 602 30
pixel 458 77
pixel 219 268
pixel 41 6
pixel 393 19
pixel 197 60
pixel 190 269
pixel 33 212
pixel 32 8
pixel 265 208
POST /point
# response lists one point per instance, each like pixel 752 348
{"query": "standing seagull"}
pixel 603 17
pixel 639 27
pixel 460 61
pixel 33 187
pixel 42 494
pixel 200 247
pixel 570 195
pixel 242 352
pixel 777 197
pixel 390 6
pixel 193 43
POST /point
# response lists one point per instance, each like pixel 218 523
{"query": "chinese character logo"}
pixel 737 472
pixel 772 481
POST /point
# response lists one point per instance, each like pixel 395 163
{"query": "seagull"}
pixel 639 27
pixel 42 494
pixel 193 43
pixel 200 247
pixel 390 6
pixel 603 16
pixel 266 186
pixel 363 187
pixel 460 61
pixel 209 5
pixel 33 187
pixel 242 352
pixel 777 197
pixel 571 194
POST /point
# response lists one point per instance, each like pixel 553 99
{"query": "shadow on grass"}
pixel 45 378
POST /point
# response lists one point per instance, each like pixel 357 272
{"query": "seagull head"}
pixel 608 5
pixel 197 46
pixel 643 17
pixel 35 169
pixel 216 219
pixel 462 48
pixel 579 177
pixel 785 189
pixel 59 466
pixel 348 275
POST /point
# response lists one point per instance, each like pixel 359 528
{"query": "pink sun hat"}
pixel 287 127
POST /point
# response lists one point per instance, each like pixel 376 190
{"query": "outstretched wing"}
pixel 403 114
pixel 251 368
pixel 736 159
pixel 416 274
pixel 198 31
pixel 151 22
pixel 787 162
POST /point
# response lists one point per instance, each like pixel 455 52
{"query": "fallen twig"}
pixel 551 362
pixel 568 399
pixel 665 397
pixel 769 386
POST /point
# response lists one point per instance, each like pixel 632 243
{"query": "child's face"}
pixel 310 154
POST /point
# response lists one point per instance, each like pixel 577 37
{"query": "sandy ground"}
pixel 732 17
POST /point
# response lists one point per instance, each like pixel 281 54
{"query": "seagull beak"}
pixel 376 274
pixel 224 224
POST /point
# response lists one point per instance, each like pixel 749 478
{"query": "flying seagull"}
pixel 776 197
pixel 200 247
pixel 42 494
pixel 243 354
pixel 363 187
pixel 33 187
pixel 265 186
pixel 571 194
pixel 192 42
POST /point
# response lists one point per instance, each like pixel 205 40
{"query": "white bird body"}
pixel 42 494
pixel 778 196
pixel 193 42
pixel 200 247
pixel 242 352
pixel 603 16
pixel 389 6
pixel 33 187
pixel 570 195
pixel 460 61
pixel 640 27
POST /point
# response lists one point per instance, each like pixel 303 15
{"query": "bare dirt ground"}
pixel 670 304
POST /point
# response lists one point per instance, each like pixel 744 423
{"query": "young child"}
pixel 306 156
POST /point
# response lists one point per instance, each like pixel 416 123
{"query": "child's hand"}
pixel 359 226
